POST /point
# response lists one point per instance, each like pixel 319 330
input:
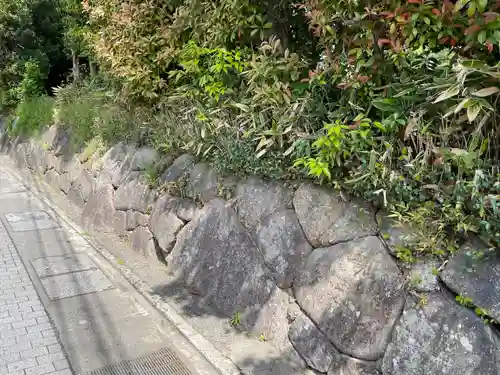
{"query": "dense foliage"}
pixel 396 101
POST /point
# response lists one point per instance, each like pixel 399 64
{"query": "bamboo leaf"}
pixel 473 111
pixel 449 93
pixel 486 92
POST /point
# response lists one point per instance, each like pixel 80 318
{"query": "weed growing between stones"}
pixel 152 173
pixel 484 314
pixel 94 146
pixel 235 319
pixel 464 301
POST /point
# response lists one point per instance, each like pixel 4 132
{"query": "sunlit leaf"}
pixel 473 111
pixel 449 93
pixel 486 91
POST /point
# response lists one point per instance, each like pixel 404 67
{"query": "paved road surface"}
pixel 64 311
pixel 27 339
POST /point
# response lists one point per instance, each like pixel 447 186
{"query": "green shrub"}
pixel 32 84
pixel 77 108
pixel 32 115
pixel 90 110
pixel 393 101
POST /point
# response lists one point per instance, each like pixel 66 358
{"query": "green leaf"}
pixel 449 93
pixel 261 153
pixel 481 37
pixel 451 111
pixel 460 4
pixel 486 91
pixel 241 106
pixel 473 111
pixel 463 104
pixel 387 105
pixel 472 9
pixel 481 5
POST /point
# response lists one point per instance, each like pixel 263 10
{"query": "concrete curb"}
pixel 221 363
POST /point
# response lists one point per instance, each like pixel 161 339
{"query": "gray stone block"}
pixel 135 219
pixel 474 272
pixel 203 182
pixel 81 190
pixel 120 222
pixel 283 245
pixel 394 235
pixel 143 158
pixel 117 162
pixel 216 257
pixel 440 337
pixel 354 292
pixel 327 218
pixel 98 212
pixel 256 199
pixel 311 344
pixel 345 365
pixel 141 241
pixel 53 179
pixel 164 224
pixel 134 194
pixel 180 168
pixel 423 275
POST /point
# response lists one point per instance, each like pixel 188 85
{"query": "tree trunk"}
pixel 76 66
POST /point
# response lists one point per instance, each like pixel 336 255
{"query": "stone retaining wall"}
pixel 305 267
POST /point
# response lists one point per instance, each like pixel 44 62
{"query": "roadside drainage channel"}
pixel 90 303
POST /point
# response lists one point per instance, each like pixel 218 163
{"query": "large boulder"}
pixel 57 139
pixel 256 199
pixel 53 179
pixel 135 219
pixel 19 154
pixel 51 161
pixel 475 273
pixel 141 241
pixel 203 182
pixel 178 170
pixel 264 358
pixel 345 365
pixel 328 218
pixel 164 224
pixel 283 245
pixel 99 212
pixel 120 223
pixel 64 183
pixel 134 194
pixel 216 257
pixel 117 162
pixel 395 235
pixel 95 166
pixel 184 209
pixel 49 136
pixel 81 190
pixel 312 345
pixel 423 275
pixel 440 337
pixel 72 166
pixel 354 292
pixel 36 157
pixel 143 159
